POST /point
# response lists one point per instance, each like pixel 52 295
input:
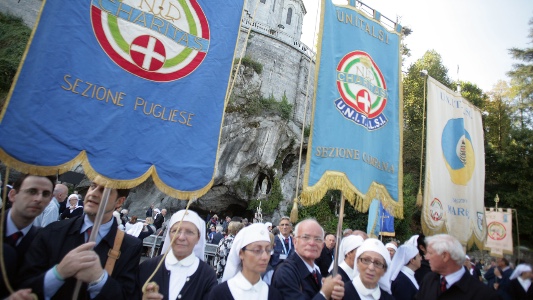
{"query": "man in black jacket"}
pixel 60 255
pixel 29 196
pixel 448 279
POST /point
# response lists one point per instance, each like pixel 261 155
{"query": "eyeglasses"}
pixel 186 232
pixel 377 264
pixel 259 252
pixel 283 225
pixel 35 192
pixel 307 239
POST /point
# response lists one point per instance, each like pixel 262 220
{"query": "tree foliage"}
pixel 522 72
pixel 13 38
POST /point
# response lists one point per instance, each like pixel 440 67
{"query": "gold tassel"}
pixel 419 198
pixel 294 211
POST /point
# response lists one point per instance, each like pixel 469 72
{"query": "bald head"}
pixel 60 192
pixel 360 233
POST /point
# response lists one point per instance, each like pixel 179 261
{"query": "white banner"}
pixel 499 231
pixel 455 167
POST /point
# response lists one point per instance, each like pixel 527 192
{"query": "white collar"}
pixel 454 277
pixel 242 283
pixel 309 267
pixel 12 228
pixel 172 260
pixel 410 274
pixel 374 293
pixel 349 271
pixel 525 283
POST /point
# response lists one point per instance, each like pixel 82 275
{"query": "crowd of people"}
pixel 253 261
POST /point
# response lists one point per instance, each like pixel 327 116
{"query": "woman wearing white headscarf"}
pixel 73 209
pixel 183 274
pixel 248 258
pixel 371 275
pixel 404 264
pixel 520 285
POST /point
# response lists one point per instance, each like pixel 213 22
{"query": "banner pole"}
pixel 517 232
pixel 94 233
pixel 338 237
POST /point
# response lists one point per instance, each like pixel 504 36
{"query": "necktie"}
pixel 286 241
pixel 89 230
pixel 315 276
pixel 12 239
pixel 443 284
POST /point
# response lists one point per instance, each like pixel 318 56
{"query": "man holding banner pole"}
pixel 60 255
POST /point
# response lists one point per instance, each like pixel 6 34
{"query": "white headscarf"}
pixel 413 241
pixel 521 268
pixel 192 217
pixel 135 229
pixel 402 257
pixel 391 245
pixel 377 246
pixel 256 232
pixel 347 244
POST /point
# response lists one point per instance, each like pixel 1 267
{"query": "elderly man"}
pixel 283 243
pixel 448 279
pixel 60 255
pixel 326 256
pixel 298 277
pixel 51 212
pixel 29 196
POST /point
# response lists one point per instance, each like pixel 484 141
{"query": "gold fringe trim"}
pixel 294 211
pixel 333 180
pixel 82 159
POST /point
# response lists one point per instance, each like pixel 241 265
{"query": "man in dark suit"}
pixel 503 274
pixel 489 274
pixel 29 196
pixel 448 279
pixel 298 277
pixel 60 255
pixel 326 256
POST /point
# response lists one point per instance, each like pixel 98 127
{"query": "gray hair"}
pixel 308 220
pixel 219 228
pixel 446 243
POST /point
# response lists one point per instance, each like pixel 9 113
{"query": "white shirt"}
pixel 180 272
pixel 454 277
pixel 525 283
pixel 411 275
pixel 241 288
pixel 349 271
pixel 364 293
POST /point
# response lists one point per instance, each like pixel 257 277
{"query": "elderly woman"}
pixel 224 246
pixel 73 209
pixel 520 285
pixel 371 279
pixel 248 258
pixel 404 264
pixel 183 274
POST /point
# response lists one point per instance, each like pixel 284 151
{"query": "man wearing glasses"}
pixel 298 277
pixel 29 197
pixel 283 243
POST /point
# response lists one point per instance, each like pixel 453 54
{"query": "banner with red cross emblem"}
pixel 356 144
pixel 131 89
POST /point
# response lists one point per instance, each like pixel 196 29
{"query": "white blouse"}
pixel 180 271
pixel 364 293
pixel 242 289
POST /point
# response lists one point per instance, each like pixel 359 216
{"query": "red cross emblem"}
pixel 148 52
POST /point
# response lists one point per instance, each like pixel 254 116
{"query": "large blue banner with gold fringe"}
pixel 356 143
pixel 130 89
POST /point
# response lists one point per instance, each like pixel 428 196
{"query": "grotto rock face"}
pixel 253 147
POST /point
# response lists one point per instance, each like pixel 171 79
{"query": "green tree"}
pixel 14 36
pixel 522 73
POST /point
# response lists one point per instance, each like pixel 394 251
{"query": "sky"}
pixel 472 34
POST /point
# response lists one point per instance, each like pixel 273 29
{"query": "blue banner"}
pixel 130 91
pixel 356 144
